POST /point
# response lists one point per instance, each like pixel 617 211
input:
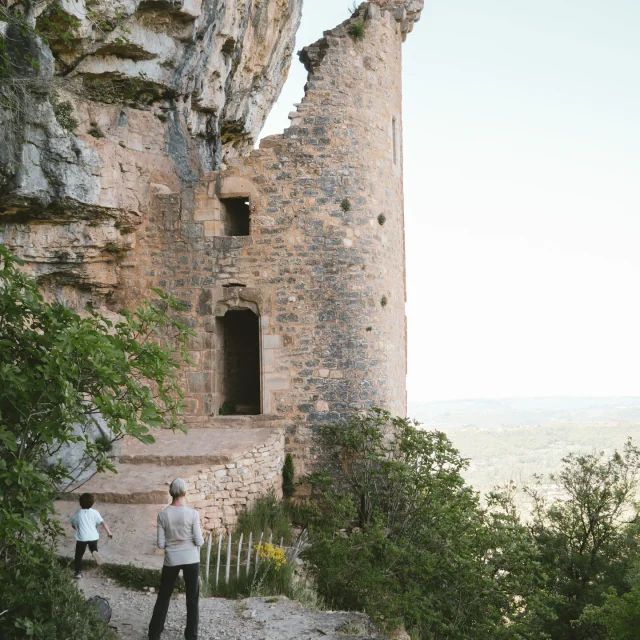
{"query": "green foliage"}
pixel 266 580
pixel 400 536
pixel 588 540
pixel 104 443
pixel 384 301
pixel 288 473
pixel 57 27
pixel 357 29
pixel 382 219
pixel 618 618
pixel 113 248
pixel 345 205
pixel 119 89
pixel 96 132
pixel 228 409
pixel 64 113
pixel 268 516
pixel 59 373
pixel 136 577
pixel 42 602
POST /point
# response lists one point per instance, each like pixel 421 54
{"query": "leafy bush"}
pixel 42 602
pixel 267 515
pixel 395 532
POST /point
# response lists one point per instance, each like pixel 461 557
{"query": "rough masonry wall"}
pixel 222 492
pixel 323 265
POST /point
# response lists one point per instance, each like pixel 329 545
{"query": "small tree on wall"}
pixel 288 472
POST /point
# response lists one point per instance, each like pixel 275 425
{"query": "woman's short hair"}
pixel 178 488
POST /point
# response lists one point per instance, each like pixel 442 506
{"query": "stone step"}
pixel 133 528
pixel 233 422
pixel 196 447
pixel 134 484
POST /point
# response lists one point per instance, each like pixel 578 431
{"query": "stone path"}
pixel 250 619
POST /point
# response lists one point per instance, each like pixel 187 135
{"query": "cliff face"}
pixel 119 95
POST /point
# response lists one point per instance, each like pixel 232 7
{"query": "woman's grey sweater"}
pixel 179 535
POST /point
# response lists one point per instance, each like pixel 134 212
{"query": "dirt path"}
pixel 249 619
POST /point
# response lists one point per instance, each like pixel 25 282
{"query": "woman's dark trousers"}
pixel 191 574
pixel 81 547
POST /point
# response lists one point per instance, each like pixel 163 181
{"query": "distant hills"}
pixel 511 439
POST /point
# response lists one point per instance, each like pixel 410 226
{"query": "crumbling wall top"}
pixel 405 12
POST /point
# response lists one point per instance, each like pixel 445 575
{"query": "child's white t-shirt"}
pixel 85 521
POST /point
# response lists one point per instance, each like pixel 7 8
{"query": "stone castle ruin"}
pixel 289 257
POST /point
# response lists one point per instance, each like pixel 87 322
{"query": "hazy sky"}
pixel 522 194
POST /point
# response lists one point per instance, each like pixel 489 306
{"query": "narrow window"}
pixel 241 362
pixel 235 216
pixel 394 133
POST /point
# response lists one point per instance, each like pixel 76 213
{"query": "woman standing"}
pixel 180 536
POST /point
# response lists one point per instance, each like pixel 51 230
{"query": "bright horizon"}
pixel 521 206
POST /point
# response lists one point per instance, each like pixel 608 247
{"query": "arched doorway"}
pixel 240 333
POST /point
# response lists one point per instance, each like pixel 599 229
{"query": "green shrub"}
pixel 42 602
pixel 345 205
pixel 267 515
pixel 382 219
pixel 64 113
pixel 228 409
pixel 288 473
pixel 357 29
pixel 396 533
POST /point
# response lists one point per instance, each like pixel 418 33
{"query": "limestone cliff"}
pixel 106 98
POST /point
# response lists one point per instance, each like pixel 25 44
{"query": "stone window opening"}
pixel 240 392
pixel 236 214
pixel 394 134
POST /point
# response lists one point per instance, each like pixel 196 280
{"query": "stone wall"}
pixel 221 492
pixel 323 264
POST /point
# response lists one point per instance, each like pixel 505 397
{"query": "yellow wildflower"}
pixel 271 553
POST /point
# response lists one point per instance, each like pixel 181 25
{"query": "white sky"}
pixel 522 204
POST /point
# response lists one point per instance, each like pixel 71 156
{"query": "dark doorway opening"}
pixel 241 362
pixel 235 216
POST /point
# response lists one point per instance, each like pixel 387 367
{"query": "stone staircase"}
pixel 226 466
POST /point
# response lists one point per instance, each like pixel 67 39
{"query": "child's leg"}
pixel 93 548
pixel 81 547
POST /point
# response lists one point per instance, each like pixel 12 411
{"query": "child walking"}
pixel 85 522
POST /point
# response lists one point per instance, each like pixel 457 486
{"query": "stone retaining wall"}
pixel 221 492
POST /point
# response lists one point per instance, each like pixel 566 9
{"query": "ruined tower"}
pixel 291 260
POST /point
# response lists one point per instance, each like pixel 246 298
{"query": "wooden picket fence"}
pixel 237 564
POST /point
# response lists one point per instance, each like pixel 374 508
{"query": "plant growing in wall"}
pixel 356 29
pixel 64 114
pixel 345 205
pixel 382 219
pixel 288 472
pixel 228 409
pixel 384 301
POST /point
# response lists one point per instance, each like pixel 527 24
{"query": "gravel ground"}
pixel 250 619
